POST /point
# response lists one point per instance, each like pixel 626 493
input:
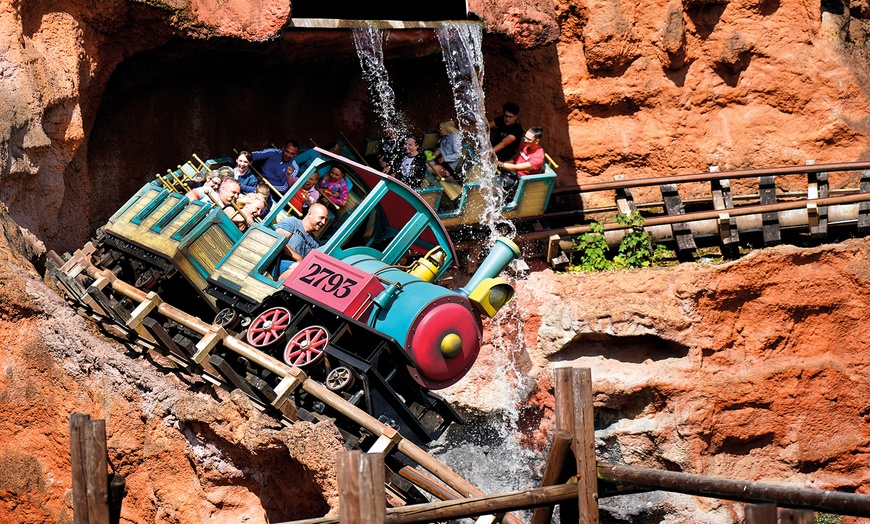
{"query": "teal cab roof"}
pixel 383 218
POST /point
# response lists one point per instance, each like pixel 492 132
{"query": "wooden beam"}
pixel 470 507
pixel 681 230
pixel 729 236
pixel 559 452
pixel 836 502
pixel 769 220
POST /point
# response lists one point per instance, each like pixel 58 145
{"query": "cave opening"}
pixel 216 96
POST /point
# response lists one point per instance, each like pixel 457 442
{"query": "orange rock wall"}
pixel 638 90
pixel 754 370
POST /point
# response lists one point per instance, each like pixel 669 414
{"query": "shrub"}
pixel 636 250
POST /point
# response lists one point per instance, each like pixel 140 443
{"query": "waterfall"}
pixel 486 450
pixel 369 43
pixel 462 50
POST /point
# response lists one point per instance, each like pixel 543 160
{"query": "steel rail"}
pixel 702 215
pixel 710 176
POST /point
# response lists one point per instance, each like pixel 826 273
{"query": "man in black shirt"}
pixel 505 132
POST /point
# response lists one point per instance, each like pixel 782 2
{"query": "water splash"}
pixel 487 449
pixel 462 50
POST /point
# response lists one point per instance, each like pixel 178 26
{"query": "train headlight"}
pixel 451 345
pixel 491 294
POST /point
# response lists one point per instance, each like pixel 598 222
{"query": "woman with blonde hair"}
pixel 446 157
pixel 251 205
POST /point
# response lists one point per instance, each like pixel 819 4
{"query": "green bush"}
pixel 826 518
pixel 636 250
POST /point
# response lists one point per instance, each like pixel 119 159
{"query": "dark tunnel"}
pixel 211 98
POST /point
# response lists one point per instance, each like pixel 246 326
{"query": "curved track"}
pixel 808 204
pixel 83 283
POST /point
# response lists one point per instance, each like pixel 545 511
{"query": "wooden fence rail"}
pixel 574 480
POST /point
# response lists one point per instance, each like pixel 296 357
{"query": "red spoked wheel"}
pixel 306 346
pixel 269 327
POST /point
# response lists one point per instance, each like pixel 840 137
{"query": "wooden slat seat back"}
pixel 245 268
pixel 470 208
pixel 193 235
pixel 532 197
pixel 432 196
pixel 153 216
pixel 202 250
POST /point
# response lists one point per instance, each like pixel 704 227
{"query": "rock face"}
pixel 98 98
pixel 188 453
pixel 754 370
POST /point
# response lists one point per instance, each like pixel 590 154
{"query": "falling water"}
pixel 486 450
pixel 462 51
pixel 369 43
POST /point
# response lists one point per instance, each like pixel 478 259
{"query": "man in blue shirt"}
pixel 279 168
pixel 300 240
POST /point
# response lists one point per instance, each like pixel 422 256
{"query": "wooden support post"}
pixel 559 452
pixel 208 342
pixel 817 187
pixel 160 335
pixel 285 388
pixel 796 516
pixel 624 201
pixel 769 221
pixel 864 207
pixel 230 375
pixel 362 496
pixel 555 256
pixel 761 514
pixel 387 441
pixel 89 470
pixel 119 316
pixel 79 260
pixel 681 230
pixel 573 392
pixel 152 300
pixel 729 236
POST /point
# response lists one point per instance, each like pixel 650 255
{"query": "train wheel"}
pixel 146 280
pixel 306 346
pixel 269 327
pixel 339 379
pixel 227 318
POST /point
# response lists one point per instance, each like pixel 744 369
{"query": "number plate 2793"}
pixel 334 283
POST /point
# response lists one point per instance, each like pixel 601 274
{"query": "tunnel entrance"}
pixel 213 97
